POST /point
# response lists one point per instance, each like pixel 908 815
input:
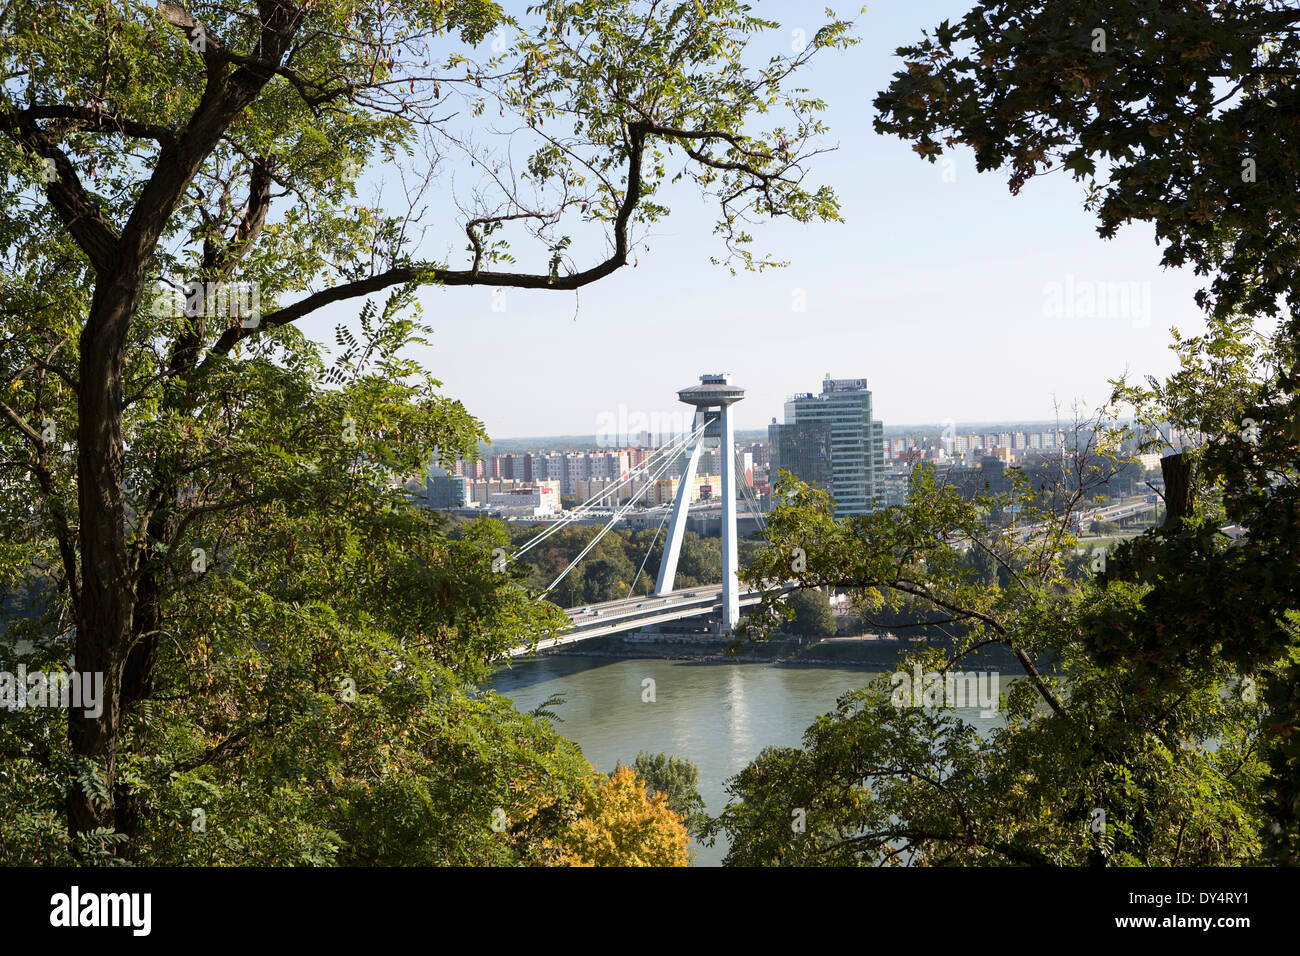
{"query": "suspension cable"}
pixel 752 500
pixel 581 510
pixel 670 451
pixel 632 587
pixel 577 512
pixel 658 473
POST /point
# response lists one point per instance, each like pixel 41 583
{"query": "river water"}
pixel 718 716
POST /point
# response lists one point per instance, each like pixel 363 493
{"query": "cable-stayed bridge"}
pixel 1084 516
pixel 713 399
pixel 627 614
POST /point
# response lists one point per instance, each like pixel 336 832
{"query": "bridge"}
pixel 614 617
pixel 1085 516
pixel 712 399
pixel 1117 512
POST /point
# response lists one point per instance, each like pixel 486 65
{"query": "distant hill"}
pixel 935 428
pixel 517 446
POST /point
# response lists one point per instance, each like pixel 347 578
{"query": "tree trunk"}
pixel 104 618
pixel 1177 471
pixel 137 686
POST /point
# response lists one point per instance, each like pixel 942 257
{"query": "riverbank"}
pixel 718 716
pixel 871 651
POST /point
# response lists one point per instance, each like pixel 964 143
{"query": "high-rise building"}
pixel 577 467
pixel 745 467
pixel 609 464
pixel 550 467
pixel 508 466
pixel 831 440
pixel 443 490
pixel 758 452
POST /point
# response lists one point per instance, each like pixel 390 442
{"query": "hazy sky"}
pixel 950 296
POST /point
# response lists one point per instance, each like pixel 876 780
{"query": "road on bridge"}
pixel 613 617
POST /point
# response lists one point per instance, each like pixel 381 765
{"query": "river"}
pixel 718 716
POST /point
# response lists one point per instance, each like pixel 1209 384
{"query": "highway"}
pixel 1087 516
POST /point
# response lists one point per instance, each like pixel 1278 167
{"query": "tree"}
pixel 678 780
pixel 1242 599
pixel 1138 746
pixel 983 565
pixel 700 561
pixel 316 668
pixel 812 614
pixel 214 149
pixel 1177 116
pixel 607 578
pixel 622 826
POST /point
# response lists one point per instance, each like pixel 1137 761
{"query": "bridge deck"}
pixel 613 617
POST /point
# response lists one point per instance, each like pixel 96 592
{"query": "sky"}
pixel 954 299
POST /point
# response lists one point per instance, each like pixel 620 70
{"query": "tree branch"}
pixel 430 273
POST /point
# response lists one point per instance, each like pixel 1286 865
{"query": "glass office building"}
pixel 832 441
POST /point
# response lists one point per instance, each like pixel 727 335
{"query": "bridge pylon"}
pixel 713 399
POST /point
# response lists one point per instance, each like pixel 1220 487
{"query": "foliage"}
pixel 1204 596
pixel 677 779
pixel 193 505
pixel 610 571
pixel 1130 735
pixel 310 699
pixel 622 826
pixel 1181 652
pixel 812 614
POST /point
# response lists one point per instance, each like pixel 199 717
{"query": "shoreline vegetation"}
pixel 866 651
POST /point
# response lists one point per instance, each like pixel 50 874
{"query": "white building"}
pixel 531 502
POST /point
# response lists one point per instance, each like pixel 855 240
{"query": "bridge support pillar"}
pixel 730 583
pixel 713 396
pixel 681 508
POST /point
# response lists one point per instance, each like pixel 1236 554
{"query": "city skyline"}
pixel 890 428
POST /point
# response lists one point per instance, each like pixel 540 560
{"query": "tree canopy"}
pixel 677 779
pixel 1152 719
pixel 812 615
pixel 209 506
pixel 622 825
pixel 1132 730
